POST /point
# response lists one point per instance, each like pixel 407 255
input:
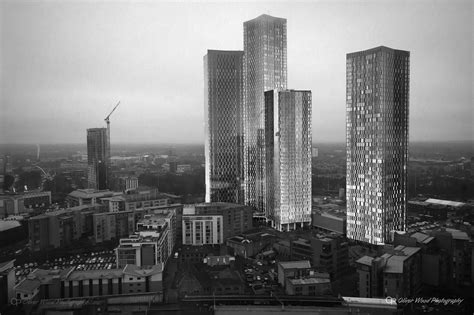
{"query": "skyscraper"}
pixel 288 158
pixel 265 68
pixel 377 143
pixel 98 158
pixel 223 106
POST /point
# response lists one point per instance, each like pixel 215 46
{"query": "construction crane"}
pixel 107 118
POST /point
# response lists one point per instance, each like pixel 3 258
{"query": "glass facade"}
pixel 265 68
pixel 377 143
pixel 223 102
pixel 288 158
pixel 98 158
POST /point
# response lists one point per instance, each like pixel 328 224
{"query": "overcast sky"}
pixel 63 66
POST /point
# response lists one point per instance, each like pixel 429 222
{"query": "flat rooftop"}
pixel 301 264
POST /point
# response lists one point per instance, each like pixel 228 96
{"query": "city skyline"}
pixel 55 71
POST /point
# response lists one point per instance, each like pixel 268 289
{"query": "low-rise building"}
pixel 396 273
pixel 81 197
pixel 327 252
pixel 70 283
pixel 293 269
pixel 59 228
pixel 250 244
pixel 313 284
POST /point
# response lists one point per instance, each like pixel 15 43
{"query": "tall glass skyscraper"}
pixel 377 143
pixel 223 102
pixel 98 158
pixel 288 158
pixel 265 68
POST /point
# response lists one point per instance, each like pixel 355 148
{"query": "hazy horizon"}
pixel 64 65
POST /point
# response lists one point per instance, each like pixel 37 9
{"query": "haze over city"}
pixel 65 65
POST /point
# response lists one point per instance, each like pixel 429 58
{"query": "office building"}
pixel 377 143
pixel 287 192
pixel 223 116
pixel 98 158
pixel 265 68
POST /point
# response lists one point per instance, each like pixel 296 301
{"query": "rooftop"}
pixel 143 271
pixel 449 203
pixel 6 265
pixel 301 264
pixel 395 261
pixel 422 238
pixel 311 280
pixel 366 260
pixel 8 224
pixel 90 193
pixel 458 235
pixel 94 274
pixel 265 17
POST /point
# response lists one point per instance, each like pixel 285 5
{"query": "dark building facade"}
pixel 98 158
pixel 377 143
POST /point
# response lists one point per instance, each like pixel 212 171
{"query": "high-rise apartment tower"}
pixel 265 68
pixel 377 99
pixel 223 111
pixel 288 158
pixel 98 158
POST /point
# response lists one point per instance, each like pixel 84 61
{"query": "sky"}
pixel 65 64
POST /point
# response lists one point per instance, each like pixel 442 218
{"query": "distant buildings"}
pixel 127 183
pixel 397 273
pixel 98 158
pixel 23 202
pixel 287 191
pixel 223 110
pixel 90 196
pixel 265 68
pixel 377 143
